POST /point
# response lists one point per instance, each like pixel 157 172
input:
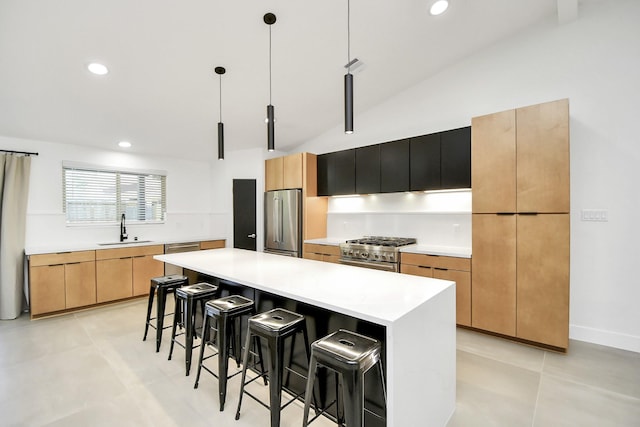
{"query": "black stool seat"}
pixel 349 355
pixel 274 326
pixel 226 312
pixel 162 285
pixel 188 296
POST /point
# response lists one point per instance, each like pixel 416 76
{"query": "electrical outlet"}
pixel 599 215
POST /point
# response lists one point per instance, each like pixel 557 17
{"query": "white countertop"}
pixel 452 251
pixel 377 296
pixel 89 246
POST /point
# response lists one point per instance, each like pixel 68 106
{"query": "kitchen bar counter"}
pixel 417 313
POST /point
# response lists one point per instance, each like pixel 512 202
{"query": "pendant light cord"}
pixel 220 98
pixel 269 64
pixel 348 36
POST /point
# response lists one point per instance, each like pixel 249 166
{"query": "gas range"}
pixel 381 253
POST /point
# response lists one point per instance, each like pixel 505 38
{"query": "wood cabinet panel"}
pixel 494 273
pixel 145 268
pixel 463 292
pixel 212 244
pixel 274 178
pixel 46 288
pixel 335 259
pixel 493 159
pixel 80 284
pixel 313 255
pixel 129 251
pixel 292 171
pixel 543 157
pixel 113 279
pixel 436 261
pixel 61 258
pixel 543 278
pixel 322 249
pixel 416 270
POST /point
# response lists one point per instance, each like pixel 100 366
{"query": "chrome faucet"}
pixel 123 230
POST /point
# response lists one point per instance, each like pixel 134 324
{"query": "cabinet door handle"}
pixel 126 257
pixel 423 266
pixel 441 269
pixel 527 213
pixel 71 263
pixel 137 256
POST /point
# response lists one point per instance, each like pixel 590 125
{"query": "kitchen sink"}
pixel 131 242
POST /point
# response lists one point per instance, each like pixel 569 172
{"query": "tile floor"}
pixel 92 369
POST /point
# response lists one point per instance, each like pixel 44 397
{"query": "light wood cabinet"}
pixel 47 289
pixel 212 244
pixel 116 277
pixel 80 284
pixel 520 223
pixel 284 172
pixel 60 281
pixel 455 269
pixel 318 252
pixel 494 273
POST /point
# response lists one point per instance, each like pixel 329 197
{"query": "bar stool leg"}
pixel 223 359
pixel 313 367
pixel 149 306
pixel 245 362
pixel 205 338
pixel 189 333
pixel 354 409
pixel 276 365
pixel 162 295
pixel 177 313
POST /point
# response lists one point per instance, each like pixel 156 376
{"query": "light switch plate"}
pixel 599 215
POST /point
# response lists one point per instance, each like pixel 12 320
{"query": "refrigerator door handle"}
pixel 276 219
pixel 280 221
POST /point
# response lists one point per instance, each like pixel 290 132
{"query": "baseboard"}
pixel 602 337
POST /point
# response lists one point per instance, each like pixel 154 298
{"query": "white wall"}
pixel 595 62
pixel 188 196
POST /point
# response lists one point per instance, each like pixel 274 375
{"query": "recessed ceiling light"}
pixel 97 68
pixel 439 7
pixel 124 144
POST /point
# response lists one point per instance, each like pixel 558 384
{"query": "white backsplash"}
pixel 439 219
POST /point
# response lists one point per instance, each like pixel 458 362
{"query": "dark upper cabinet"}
pixel 455 163
pixel 394 166
pixel 336 173
pixel 368 169
pixel 425 162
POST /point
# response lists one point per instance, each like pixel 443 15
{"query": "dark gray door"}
pixel 244 214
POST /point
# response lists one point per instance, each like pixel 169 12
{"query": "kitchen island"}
pixel 417 315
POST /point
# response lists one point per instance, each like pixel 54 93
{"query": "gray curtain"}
pixel 14 189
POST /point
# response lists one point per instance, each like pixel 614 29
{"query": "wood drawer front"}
pixel 416 270
pixel 212 244
pixel 322 249
pixel 129 252
pixel 313 256
pixel 331 258
pixel 435 261
pixel 61 258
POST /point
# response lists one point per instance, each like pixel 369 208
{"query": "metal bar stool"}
pixel 162 285
pixel 187 297
pixel 350 356
pixel 273 326
pixel 226 313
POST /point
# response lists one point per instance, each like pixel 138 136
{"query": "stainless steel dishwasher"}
pixel 174 248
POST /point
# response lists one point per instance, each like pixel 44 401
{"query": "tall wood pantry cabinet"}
pixel 520 223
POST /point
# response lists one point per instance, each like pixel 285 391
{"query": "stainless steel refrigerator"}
pixel 283 222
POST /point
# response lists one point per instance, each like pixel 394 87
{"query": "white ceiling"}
pixel 162 93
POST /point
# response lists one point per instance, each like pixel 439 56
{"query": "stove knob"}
pixel 351 252
pixel 376 256
pixel 384 256
pixel 390 257
pixel 364 254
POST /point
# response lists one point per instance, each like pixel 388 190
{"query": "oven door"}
pixel 385 266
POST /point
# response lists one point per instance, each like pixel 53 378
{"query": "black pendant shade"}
pixel 220 71
pixel 271 129
pixel 348 103
pixel 220 141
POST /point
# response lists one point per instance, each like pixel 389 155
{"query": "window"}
pixel 100 195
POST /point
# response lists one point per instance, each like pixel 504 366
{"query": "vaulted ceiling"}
pixel 162 94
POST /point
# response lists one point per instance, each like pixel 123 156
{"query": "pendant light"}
pixel 270 19
pixel 348 79
pixel 220 71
